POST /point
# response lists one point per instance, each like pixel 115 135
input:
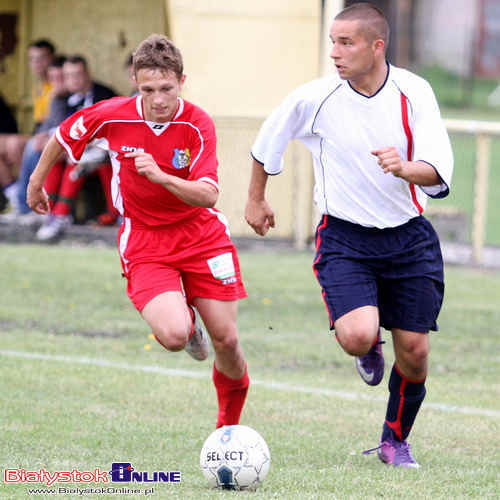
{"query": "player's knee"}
pixel 172 339
pixel 415 355
pixel 226 341
pixel 356 341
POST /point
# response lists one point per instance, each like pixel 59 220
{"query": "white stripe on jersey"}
pixel 112 121
pixel 116 194
pixel 138 105
pixel 222 218
pixel 65 145
pixel 181 107
pixel 210 181
pixel 124 240
pixel 199 135
pixel 142 121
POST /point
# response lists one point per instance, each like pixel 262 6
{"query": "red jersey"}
pixel 184 147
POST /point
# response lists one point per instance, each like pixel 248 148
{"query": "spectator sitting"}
pixel 59 110
pixel 8 125
pixel 40 53
pixel 66 180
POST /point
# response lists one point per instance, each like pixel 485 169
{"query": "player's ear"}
pixel 182 80
pixel 379 45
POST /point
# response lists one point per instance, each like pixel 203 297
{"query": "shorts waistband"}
pixel 351 226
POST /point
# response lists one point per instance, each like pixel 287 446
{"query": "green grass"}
pixel 62 413
pixel 454 92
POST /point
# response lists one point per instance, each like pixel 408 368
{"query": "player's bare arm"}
pixel 258 213
pixel 36 196
pixel 415 172
pixel 196 193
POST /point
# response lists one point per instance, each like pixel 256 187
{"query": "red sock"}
pixel 231 395
pixel 53 181
pixel 68 191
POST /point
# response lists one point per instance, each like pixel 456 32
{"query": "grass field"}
pixel 83 385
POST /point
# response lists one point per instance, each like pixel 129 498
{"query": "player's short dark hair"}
pixel 43 43
pixel 78 59
pixel 158 52
pixel 58 61
pixel 374 21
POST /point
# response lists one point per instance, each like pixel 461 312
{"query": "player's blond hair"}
pixel 158 52
pixel 374 23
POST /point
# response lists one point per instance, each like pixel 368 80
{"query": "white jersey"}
pixel 341 128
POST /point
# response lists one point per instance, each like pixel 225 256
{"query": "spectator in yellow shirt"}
pixel 40 54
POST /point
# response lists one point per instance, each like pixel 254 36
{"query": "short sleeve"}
pixel 432 144
pixel 292 119
pixel 203 151
pixel 80 129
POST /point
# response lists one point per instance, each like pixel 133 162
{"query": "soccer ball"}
pixel 235 457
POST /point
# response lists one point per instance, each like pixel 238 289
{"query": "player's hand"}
pixel 390 161
pixel 146 165
pixel 259 216
pixel 37 198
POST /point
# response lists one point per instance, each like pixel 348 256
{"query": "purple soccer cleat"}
pixel 371 366
pixel 396 453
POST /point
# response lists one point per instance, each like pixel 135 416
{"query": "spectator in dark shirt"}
pixel 59 110
pixel 65 181
pixel 40 54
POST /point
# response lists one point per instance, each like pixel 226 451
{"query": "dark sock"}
pixel 405 398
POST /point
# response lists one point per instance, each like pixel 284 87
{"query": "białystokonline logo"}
pixel 121 472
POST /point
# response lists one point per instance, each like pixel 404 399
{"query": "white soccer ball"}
pixel 235 457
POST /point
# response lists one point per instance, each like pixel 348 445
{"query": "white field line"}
pixel 276 386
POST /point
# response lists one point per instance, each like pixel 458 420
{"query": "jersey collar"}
pixel 180 107
pixel 379 90
pixel 158 128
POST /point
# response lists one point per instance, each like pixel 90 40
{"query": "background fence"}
pixel 469 215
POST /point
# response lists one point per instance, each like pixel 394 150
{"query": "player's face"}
pixel 352 53
pixel 159 91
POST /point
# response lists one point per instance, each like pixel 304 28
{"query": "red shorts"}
pixel 196 257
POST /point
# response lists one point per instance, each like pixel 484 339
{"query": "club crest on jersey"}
pixel 182 158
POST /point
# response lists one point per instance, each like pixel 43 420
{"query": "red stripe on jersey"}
pixel 409 137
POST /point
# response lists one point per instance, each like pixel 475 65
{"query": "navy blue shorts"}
pixel 399 270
